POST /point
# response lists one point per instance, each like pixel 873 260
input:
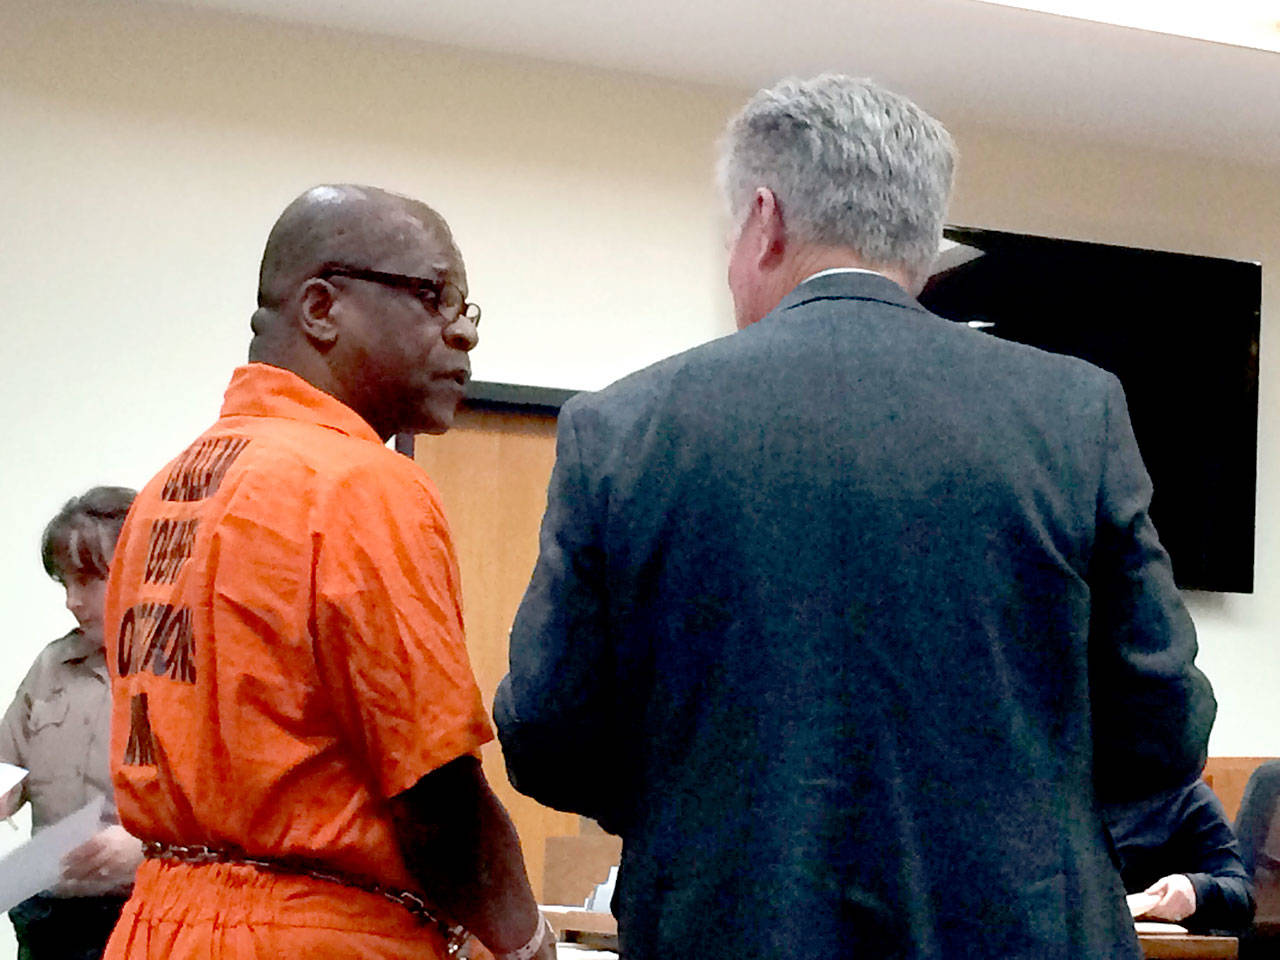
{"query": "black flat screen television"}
pixel 1181 333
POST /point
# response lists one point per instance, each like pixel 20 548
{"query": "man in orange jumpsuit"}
pixel 295 721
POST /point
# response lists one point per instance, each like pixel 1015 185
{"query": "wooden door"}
pixel 1228 777
pixel 492 470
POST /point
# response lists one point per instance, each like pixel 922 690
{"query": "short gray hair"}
pixel 851 164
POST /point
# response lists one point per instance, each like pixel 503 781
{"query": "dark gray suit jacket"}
pixel 846 623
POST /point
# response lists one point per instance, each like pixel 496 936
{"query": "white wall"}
pixel 146 151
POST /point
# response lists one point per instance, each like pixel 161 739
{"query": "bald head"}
pixel 348 299
pixel 345 224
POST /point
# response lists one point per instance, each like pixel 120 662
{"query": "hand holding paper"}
pixel 37 864
pixel 103 864
pixel 1171 898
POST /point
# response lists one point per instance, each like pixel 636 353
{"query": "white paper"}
pixel 10 777
pixel 602 897
pixel 576 951
pixel 1159 928
pixel 37 864
pixel 1140 903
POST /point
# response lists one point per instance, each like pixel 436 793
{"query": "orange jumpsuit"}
pixel 285 640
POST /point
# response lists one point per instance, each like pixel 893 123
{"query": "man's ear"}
pixel 772 245
pixel 315 313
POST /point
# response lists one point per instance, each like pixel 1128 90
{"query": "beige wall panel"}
pixel 577 865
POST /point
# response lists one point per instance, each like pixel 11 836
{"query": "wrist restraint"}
pixel 533 944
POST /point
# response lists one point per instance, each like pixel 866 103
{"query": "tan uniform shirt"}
pixel 59 728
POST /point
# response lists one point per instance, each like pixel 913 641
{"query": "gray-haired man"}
pixel 857 613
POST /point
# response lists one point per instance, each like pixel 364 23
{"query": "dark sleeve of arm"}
pixel 1224 895
pixel 1256 809
pixel 1152 708
pixel 1223 903
pixel 553 709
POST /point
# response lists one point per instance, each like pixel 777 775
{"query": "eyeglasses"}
pixel 439 296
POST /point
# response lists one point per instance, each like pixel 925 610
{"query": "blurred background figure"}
pixel 1180 860
pixel 1258 828
pixel 58 729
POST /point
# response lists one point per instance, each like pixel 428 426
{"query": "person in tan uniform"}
pixel 296 723
pixel 57 728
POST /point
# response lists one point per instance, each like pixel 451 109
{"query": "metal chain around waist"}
pixel 455 935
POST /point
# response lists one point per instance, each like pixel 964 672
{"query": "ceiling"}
pixel 965 61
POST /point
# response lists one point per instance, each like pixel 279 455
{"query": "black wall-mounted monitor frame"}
pixel 1181 332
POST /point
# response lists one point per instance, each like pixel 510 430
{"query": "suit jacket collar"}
pixel 847 286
